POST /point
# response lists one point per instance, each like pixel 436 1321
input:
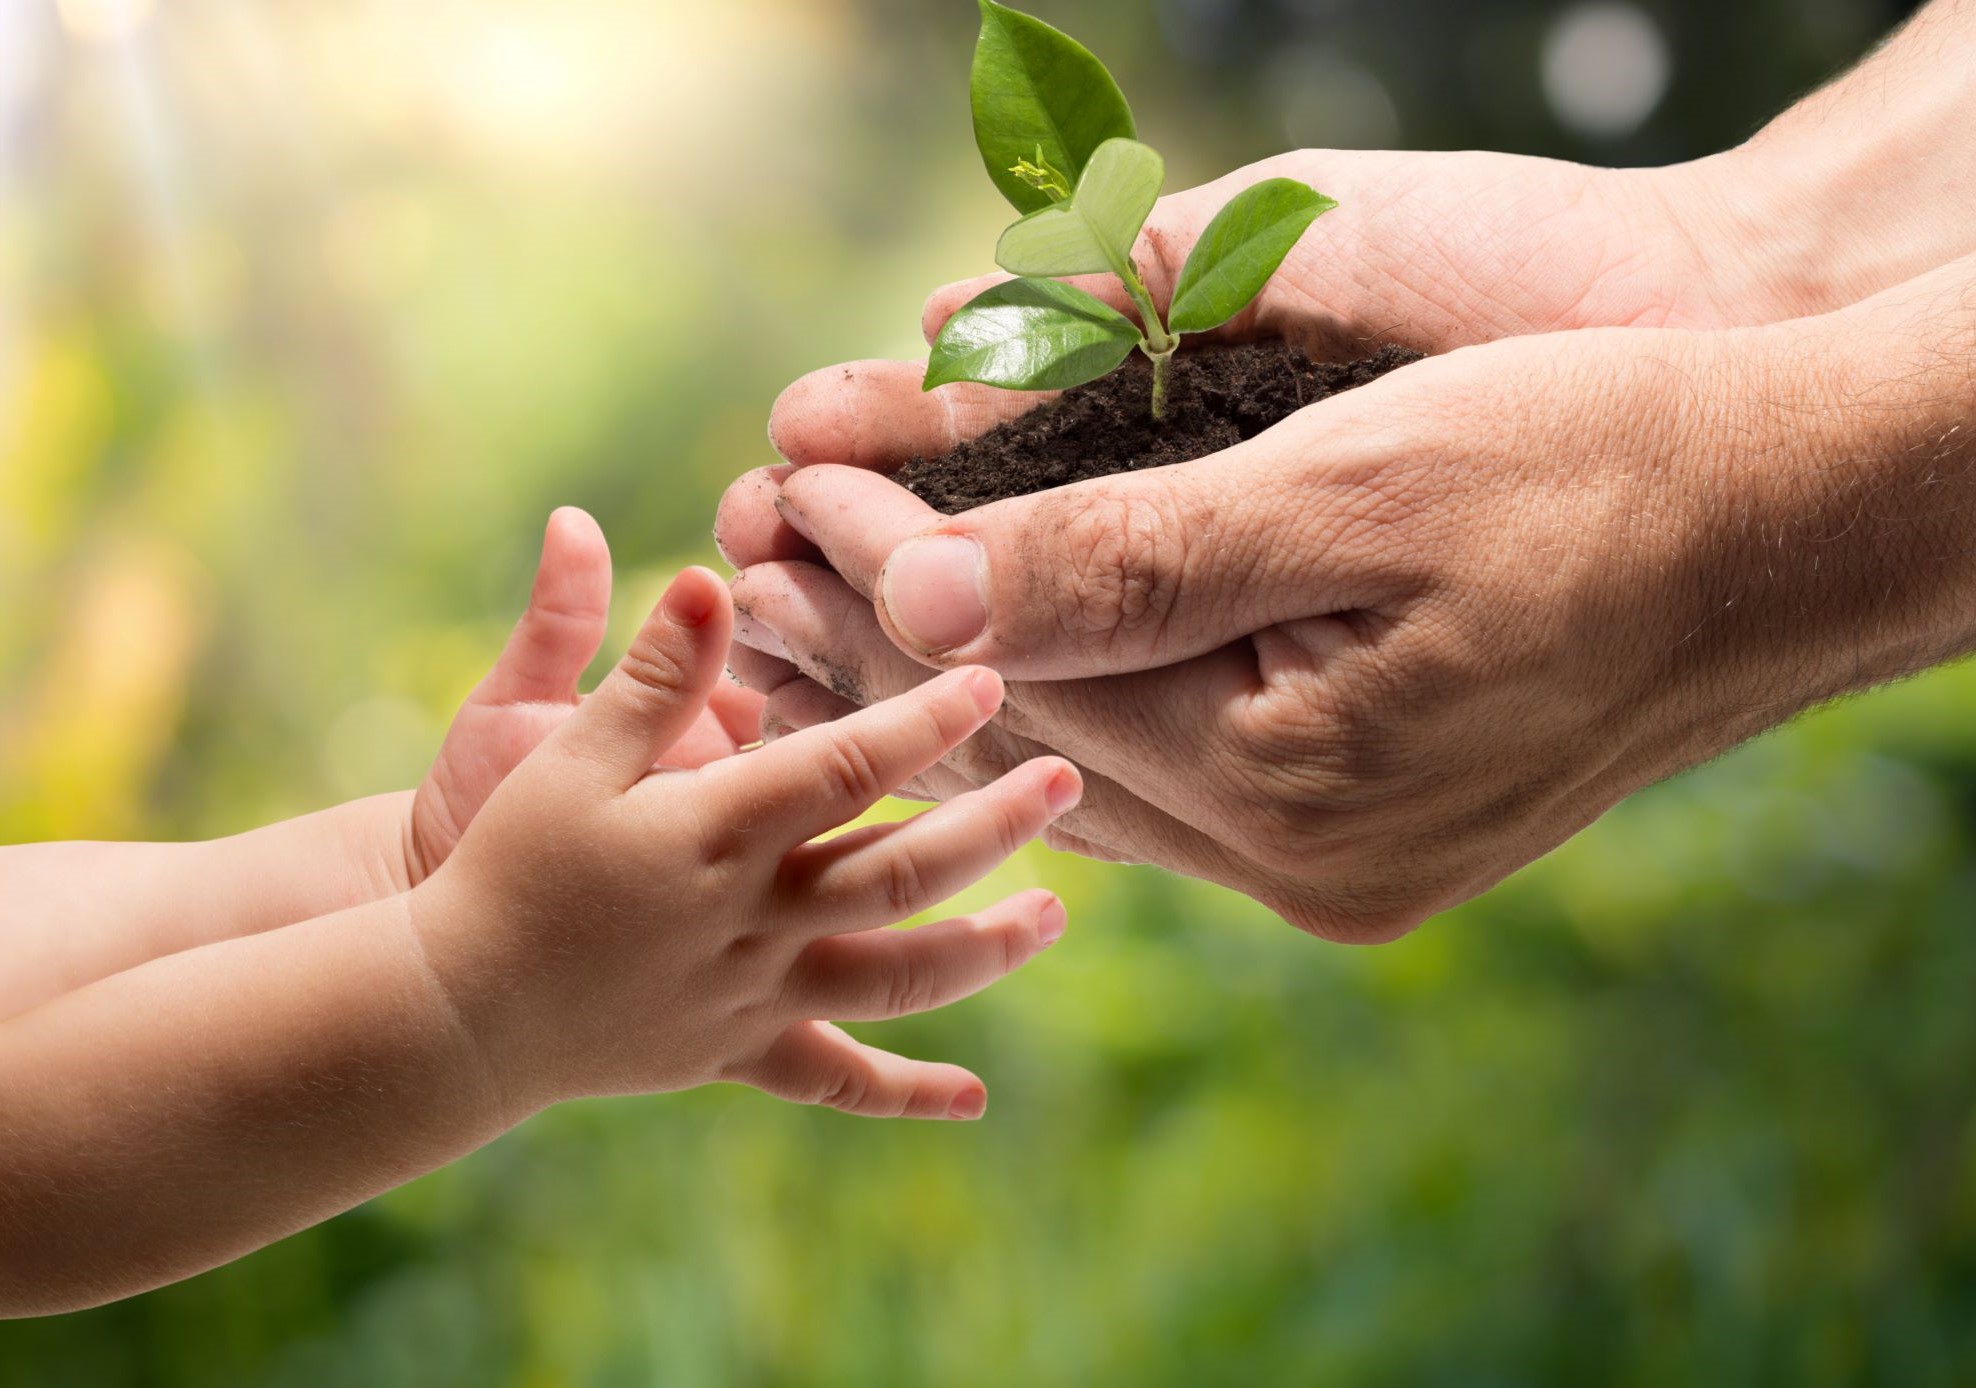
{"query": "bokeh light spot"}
pixel 1605 68
pixel 1329 100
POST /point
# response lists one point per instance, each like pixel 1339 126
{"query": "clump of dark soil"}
pixel 1216 397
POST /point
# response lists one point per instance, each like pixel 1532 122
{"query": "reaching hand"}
pixel 533 688
pixel 608 928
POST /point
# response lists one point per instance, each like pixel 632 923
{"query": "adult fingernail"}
pixel 756 637
pixel 793 517
pixel 1050 921
pixel 969 1105
pixel 1062 791
pixel 936 591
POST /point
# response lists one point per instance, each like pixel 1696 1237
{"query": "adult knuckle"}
pixel 1326 745
pixel 1125 554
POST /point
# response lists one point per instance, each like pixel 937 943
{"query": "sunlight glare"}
pixel 104 21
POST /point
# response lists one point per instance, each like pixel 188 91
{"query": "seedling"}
pixel 1058 139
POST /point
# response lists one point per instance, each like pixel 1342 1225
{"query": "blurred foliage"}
pixel 308 315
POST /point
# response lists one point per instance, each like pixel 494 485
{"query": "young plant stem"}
pixel 1158 343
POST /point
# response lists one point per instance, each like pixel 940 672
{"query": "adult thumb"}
pixel 1118 574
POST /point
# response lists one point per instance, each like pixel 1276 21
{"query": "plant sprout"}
pixel 1058 140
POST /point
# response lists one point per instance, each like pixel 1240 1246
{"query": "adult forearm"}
pixel 1892 428
pixel 186 1111
pixel 1862 185
pixel 78 912
pixel 1833 541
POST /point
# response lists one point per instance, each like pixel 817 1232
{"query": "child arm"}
pixel 78 912
pixel 603 928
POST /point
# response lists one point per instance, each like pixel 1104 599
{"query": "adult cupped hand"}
pixel 1369 662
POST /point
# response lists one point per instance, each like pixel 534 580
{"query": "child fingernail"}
pixel 986 688
pixel 1050 921
pixel 690 601
pixel 1062 791
pixel 969 1105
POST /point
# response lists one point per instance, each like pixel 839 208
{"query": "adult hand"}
pixel 1497 628
pixel 1372 660
pixel 1429 249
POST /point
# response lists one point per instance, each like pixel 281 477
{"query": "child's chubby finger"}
pixel 568 608
pixel 799 786
pixel 875 975
pixel 816 1063
pixel 651 699
pixel 887 872
pixel 803 703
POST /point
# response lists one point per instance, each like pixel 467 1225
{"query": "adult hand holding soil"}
pixel 1498 657
pixel 1858 187
pixel 1369 662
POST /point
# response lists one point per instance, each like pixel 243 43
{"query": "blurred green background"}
pixel 310 312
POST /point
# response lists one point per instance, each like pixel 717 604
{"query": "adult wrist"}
pixel 1851 487
pixel 1765 254
pixel 1837 199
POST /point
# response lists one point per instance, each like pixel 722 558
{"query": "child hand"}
pixel 533 688
pixel 607 928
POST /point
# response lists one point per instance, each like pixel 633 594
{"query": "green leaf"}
pixel 1240 250
pixel 1030 335
pixel 1039 98
pixel 1095 229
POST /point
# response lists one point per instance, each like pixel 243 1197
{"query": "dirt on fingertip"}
pixel 1217 396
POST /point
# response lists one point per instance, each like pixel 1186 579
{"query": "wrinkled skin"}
pixel 1367 663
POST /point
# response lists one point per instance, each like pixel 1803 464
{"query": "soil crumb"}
pixel 1216 397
